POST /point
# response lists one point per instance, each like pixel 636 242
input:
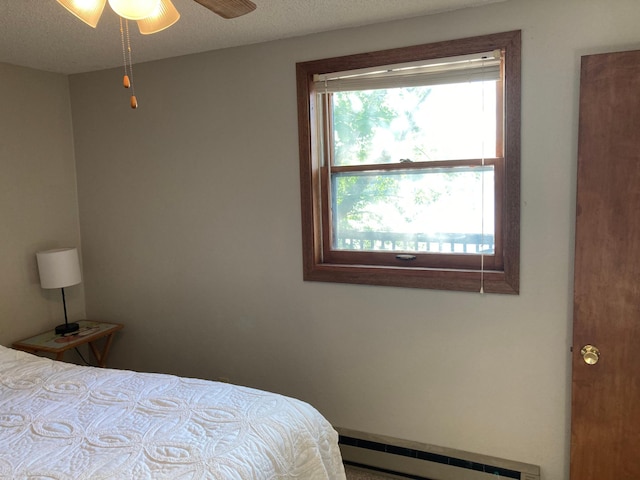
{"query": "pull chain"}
pixel 127 80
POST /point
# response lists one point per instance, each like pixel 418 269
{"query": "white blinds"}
pixel 466 68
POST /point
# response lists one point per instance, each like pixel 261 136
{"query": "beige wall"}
pixel 38 199
pixel 190 224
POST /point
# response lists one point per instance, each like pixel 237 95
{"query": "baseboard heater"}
pixel 418 461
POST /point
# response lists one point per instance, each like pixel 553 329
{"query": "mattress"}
pixel 64 421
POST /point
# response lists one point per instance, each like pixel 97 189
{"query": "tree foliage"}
pixel 357 117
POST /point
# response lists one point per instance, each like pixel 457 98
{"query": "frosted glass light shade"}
pixel 89 11
pixel 59 268
pixel 162 17
pixel 134 9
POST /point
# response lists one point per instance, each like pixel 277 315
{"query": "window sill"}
pixel 456 280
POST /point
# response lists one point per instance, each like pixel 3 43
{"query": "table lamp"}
pixel 60 268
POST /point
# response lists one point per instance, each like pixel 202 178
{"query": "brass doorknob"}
pixel 590 354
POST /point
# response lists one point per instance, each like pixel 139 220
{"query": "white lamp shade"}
pixel 59 268
pixel 89 11
pixel 162 17
pixel 134 9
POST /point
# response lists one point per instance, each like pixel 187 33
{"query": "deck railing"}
pixel 416 242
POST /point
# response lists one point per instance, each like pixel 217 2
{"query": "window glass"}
pixel 445 210
pixel 439 122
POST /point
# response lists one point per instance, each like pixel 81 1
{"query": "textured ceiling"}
pixel 41 34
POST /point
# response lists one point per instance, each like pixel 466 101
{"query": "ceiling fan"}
pixel 152 15
pixel 229 8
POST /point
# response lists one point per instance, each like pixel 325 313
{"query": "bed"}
pixel 63 421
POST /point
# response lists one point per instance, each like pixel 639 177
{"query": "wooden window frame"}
pixel 501 276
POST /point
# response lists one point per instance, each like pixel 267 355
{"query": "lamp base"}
pixel 67 328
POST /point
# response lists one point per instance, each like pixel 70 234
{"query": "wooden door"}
pixel 605 430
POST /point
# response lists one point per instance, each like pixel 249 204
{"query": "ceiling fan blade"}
pixel 229 8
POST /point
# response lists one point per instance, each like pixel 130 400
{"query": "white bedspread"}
pixel 63 421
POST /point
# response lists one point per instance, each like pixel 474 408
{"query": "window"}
pixel 410 166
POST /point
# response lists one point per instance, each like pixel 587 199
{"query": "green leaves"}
pixel 356 117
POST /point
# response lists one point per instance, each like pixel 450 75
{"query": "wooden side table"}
pixel 89 332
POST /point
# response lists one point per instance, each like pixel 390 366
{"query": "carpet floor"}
pixel 356 473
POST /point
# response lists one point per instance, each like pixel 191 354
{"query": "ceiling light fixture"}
pixel 152 16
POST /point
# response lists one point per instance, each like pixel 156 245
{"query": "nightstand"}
pixel 89 332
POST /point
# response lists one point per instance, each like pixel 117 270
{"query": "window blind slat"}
pixel 354 84
pixel 469 68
